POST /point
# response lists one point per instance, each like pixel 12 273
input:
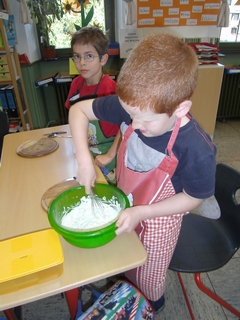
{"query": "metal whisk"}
pixel 96 205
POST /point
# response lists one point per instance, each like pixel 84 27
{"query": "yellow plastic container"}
pixel 30 259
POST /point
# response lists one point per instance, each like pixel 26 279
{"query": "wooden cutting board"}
pixel 37 148
pixel 55 190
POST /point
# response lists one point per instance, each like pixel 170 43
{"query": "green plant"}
pixel 44 13
pixel 85 19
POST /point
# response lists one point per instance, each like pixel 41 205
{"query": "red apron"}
pixel 158 235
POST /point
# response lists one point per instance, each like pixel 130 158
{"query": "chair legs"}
pixel 185 296
pixel 215 297
pixel 208 292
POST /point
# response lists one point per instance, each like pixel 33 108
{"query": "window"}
pixel 232 33
pixel 235 16
pixel 74 18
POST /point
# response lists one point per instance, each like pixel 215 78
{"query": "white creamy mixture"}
pixel 85 216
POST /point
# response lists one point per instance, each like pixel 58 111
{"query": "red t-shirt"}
pixel 106 87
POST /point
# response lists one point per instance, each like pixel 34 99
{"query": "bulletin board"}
pixel 164 13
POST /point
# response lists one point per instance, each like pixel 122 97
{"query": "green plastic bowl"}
pixel 87 239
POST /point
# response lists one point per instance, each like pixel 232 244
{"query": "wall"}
pixel 42 100
pixel 34 96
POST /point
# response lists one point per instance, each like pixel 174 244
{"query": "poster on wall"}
pixel 162 13
pixel 129 38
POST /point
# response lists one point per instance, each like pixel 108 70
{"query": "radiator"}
pixel 229 101
pixel 62 90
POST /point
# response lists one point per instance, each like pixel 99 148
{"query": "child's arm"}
pixel 79 116
pixel 179 203
pixel 103 159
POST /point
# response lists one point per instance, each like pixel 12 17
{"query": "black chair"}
pixel 204 244
pixel 4 128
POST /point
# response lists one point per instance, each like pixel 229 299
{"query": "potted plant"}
pixel 44 13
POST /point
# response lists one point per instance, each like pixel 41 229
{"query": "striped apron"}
pixel 158 235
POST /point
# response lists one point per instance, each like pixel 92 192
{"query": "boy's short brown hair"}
pixel 93 36
pixel 160 73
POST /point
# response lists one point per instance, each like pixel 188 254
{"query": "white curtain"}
pixel 223 15
pixel 130 12
pixel 24 13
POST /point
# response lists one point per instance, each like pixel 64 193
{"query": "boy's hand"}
pixel 103 159
pixel 128 220
pixel 86 176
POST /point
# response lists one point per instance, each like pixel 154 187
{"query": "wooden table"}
pixel 23 181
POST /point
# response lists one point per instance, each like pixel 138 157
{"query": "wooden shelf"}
pixel 16 76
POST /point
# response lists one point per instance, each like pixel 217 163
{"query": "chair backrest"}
pixel 4 128
pixel 227 184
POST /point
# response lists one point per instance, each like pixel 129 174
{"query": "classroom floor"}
pixel 225 281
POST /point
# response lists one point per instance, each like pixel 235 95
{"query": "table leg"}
pixel 10 314
pixel 72 301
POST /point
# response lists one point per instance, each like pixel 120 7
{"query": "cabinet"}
pixel 206 96
pixel 14 78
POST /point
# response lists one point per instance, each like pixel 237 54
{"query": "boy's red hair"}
pixel 160 73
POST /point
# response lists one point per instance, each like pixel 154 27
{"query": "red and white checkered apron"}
pixel 158 235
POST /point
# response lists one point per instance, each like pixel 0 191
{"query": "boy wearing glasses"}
pixel 90 53
pixel 166 162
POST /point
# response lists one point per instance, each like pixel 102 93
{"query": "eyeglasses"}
pixel 87 57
